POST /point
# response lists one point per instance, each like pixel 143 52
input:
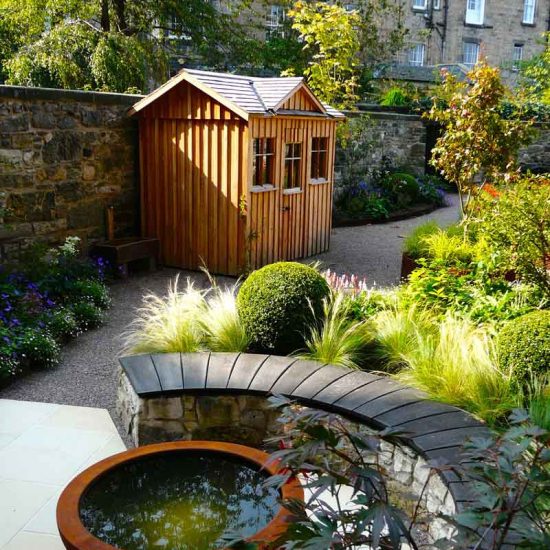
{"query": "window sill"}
pixel 293 191
pixel 263 188
pixel 320 181
pixel 526 24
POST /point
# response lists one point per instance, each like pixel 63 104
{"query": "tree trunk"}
pixel 120 12
pixel 105 21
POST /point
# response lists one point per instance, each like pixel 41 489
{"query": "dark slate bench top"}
pixel 433 429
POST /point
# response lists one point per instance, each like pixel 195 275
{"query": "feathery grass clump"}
pixel 221 323
pixel 457 365
pixel 186 321
pixel 337 340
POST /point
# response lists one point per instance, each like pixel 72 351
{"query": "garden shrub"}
pixel 38 350
pixel 395 97
pixel 415 245
pixel 87 315
pixel 93 291
pixel 62 324
pixel 403 188
pixel 278 305
pixel 9 367
pixel 524 346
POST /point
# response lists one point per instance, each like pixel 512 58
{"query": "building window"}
pixel 274 21
pixel 475 12
pixel 529 12
pixel 518 55
pixel 293 165
pixel 416 55
pixel 420 5
pixel 437 4
pixel 263 161
pixel 319 149
pixel 470 53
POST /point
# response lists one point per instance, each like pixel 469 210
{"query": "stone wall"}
pixel 536 157
pixel 248 420
pixel 65 156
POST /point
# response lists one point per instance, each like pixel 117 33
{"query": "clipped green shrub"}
pixel 38 350
pixel 62 324
pixel 403 187
pixel 524 346
pixel 279 304
pixel 87 315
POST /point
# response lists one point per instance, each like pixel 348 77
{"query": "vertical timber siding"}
pixel 286 226
pixel 194 168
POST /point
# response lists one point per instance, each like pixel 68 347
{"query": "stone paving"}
pixel 42 447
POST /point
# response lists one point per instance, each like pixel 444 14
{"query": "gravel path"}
pixel 86 375
pixel 374 251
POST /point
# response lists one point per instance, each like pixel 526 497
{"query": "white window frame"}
pixel 475 12
pixel 274 20
pixel 417 55
pixel 529 7
pixel 436 4
pixel 475 48
pixel 419 5
pixel 517 56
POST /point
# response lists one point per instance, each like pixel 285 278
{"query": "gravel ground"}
pixel 86 375
pixel 374 251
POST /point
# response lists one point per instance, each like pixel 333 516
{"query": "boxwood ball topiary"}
pixel 524 346
pixel 278 304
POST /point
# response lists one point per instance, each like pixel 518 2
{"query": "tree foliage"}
pixel 478 144
pixel 536 74
pixel 112 45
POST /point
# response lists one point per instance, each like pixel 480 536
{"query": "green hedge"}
pixel 279 303
pixel 524 346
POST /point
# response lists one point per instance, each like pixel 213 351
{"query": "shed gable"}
pixel 301 100
pixel 186 101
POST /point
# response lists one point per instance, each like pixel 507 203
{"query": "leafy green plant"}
pixel 167 324
pixel 87 315
pixel 364 305
pixel 516 226
pixel 62 324
pixel 457 364
pixel 524 346
pixel 336 339
pixel 221 323
pixel 478 144
pixel 414 244
pixel 510 480
pixel 278 305
pixel 536 400
pixel 93 291
pixel 395 97
pixel 38 350
pixel 9 367
pixel 402 188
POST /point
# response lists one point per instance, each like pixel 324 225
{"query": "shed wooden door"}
pixel 294 181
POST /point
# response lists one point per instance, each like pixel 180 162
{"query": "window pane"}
pixel 470 53
pixel 475 11
pixel 529 11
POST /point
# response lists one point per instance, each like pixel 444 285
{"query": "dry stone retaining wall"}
pixel 64 157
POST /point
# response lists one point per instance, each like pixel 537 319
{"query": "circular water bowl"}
pixel 178 495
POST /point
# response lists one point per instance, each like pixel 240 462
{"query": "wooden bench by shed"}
pixel 236 171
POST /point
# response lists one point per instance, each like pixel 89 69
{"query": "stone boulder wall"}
pixel 65 156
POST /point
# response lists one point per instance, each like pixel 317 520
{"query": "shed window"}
pixel 293 164
pixel 319 148
pixel 262 167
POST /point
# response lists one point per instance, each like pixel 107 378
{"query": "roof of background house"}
pixel 243 94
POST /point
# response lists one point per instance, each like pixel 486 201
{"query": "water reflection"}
pixel 178 501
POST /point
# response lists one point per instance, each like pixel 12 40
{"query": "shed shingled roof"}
pixel 249 94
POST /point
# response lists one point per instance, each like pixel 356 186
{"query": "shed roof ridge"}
pixel 259 96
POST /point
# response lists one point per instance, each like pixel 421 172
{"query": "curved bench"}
pixel 434 430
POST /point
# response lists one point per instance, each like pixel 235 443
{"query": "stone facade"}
pixel 536 156
pixel 65 156
pixel 248 420
pixel 441 27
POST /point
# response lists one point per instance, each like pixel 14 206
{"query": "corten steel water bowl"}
pixel 174 495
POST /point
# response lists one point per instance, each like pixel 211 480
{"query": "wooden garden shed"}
pixel 236 171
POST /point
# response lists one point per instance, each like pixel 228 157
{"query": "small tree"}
pixel 330 34
pixel 478 144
